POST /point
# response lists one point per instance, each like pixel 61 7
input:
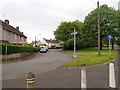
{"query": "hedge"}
pixel 17 49
pixel 36 49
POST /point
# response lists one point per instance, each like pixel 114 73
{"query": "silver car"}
pixel 43 50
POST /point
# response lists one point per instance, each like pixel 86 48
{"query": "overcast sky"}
pixel 41 17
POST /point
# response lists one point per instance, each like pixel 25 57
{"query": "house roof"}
pixel 12 29
pixel 33 42
pixel 50 41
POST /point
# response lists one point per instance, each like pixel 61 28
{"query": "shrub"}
pixel 36 49
pixel 69 44
pixel 118 41
pixel 15 49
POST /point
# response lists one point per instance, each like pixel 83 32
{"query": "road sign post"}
pixel 109 38
pixel 74 55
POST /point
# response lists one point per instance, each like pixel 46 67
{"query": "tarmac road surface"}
pixel 43 62
pixel 96 77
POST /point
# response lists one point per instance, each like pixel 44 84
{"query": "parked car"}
pixel 46 48
pixel 43 50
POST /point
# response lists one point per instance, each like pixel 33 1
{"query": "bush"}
pixel 69 44
pixel 118 41
pixel 15 49
pixel 36 49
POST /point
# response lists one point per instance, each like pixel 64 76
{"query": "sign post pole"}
pixel 74 55
pixel 109 49
pixel 109 38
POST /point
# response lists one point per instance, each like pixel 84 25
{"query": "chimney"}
pixel 17 28
pixel 22 32
pixel 7 21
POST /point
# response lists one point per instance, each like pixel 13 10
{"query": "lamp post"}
pixel 74 55
pixel 35 41
pixel 35 38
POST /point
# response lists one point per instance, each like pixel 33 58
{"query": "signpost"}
pixel 74 55
pixel 109 38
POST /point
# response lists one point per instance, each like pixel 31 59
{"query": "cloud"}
pixel 43 16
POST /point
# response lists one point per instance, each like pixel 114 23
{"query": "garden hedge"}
pixel 17 49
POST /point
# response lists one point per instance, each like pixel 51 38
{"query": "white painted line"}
pixel 112 83
pixel 54 68
pixel 83 78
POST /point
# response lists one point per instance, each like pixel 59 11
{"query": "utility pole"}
pixel 98 17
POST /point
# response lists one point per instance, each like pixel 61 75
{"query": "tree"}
pixel 64 30
pixel 108 25
pixel 118 34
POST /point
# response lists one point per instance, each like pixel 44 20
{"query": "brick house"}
pixel 9 34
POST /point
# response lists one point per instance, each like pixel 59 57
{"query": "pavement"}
pixel 97 77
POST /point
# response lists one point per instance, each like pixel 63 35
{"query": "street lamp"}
pixel 74 55
pixel 35 38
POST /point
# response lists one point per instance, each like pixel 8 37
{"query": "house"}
pixel 10 34
pixel 50 43
pixel 37 43
pixel 47 42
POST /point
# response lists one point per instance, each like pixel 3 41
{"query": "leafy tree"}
pixel 64 30
pixel 108 25
pixel 118 34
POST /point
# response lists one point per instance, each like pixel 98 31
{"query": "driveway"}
pixel 43 62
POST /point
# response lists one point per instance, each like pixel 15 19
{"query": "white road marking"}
pixel 83 78
pixel 112 83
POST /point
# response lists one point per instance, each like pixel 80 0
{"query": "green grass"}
pixel 89 57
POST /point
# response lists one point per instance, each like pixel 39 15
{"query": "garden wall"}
pixel 14 56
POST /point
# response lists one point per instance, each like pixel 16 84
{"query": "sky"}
pixel 41 18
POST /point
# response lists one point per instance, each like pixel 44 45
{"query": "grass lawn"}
pixel 89 56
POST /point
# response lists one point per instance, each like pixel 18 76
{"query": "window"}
pixel 15 36
pixel 20 38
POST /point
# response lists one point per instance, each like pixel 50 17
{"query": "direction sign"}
pixel 109 37
pixel 74 33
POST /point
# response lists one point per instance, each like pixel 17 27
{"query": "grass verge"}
pixel 89 57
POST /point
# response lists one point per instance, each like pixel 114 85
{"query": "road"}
pixel 41 63
pixel 97 77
